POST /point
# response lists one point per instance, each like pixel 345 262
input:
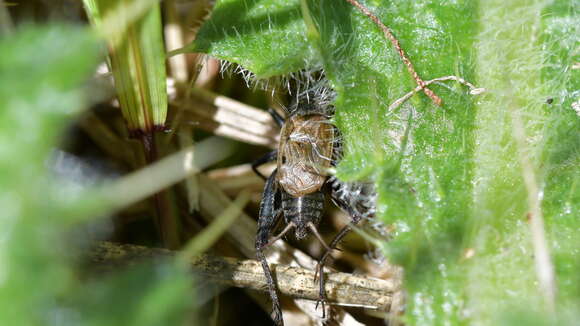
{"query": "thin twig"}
pixel 389 35
pixel 343 289
pixel 473 90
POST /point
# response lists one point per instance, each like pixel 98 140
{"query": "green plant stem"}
pixel 166 222
pixel 203 241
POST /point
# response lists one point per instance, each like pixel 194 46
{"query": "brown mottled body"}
pixel 309 146
pixel 305 151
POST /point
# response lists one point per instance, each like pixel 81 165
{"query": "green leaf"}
pixel 561 150
pixel 266 37
pixel 132 29
pixel 419 154
pixel 137 59
pixel 456 181
pixel 525 53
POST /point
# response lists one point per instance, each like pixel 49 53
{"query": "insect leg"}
pixel 268 218
pixel 320 267
pixel 277 117
pixel 269 157
pixel 357 200
pixel 279 236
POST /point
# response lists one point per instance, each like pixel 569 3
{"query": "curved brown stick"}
pixel 473 90
pixel 389 35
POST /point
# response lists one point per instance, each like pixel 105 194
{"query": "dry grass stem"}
pixel 106 139
pixel 166 172
pixel 210 234
pixel 174 40
pixel 234 106
pixel 232 119
pixel 231 132
pixel 231 172
pixel 207 70
pixel 342 288
pixel 227 123
pixel 185 139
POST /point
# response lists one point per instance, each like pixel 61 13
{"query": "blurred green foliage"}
pixel 42 73
pixel 450 179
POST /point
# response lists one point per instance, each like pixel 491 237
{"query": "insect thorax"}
pixel 304 153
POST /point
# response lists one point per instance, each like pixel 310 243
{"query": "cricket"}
pixel 295 191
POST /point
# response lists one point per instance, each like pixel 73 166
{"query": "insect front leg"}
pixel 268 218
pixel 269 157
pixel 277 117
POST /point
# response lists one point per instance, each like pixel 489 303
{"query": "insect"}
pixel 309 145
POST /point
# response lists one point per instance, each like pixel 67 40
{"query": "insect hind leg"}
pixel 268 218
pixel 276 308
pixel 358 200
pixel 323 260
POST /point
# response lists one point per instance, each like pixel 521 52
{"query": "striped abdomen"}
pixel 302 210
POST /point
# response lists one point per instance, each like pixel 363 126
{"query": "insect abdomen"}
pixel 303 210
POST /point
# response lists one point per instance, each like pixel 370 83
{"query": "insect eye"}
pixel 283 159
